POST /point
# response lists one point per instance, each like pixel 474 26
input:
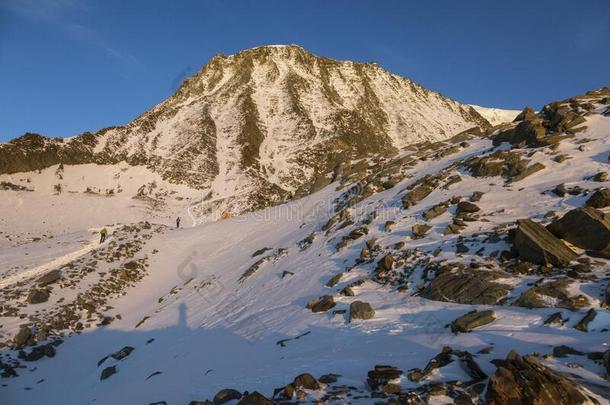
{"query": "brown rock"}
pixel 536 244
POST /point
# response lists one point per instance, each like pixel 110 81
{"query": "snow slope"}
pixel 199 323
pixel 496 116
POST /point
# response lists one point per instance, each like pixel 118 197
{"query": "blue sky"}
pixel 68 66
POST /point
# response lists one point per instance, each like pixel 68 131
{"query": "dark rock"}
pixel 555 319
pixel 107 372
pixel 22 337
pixel 557 289
pixel 334 280
pixel 467 207
pixel 360 310
pixel 387 227
pixel 560 190
pixel 420 230
pixel 466 287
pixel 323 304
pixel 599 199
pixel 255 398
pixel 583 324
pixel 381 375
pixel 472 320
pixel 49 278
pixel 435 211
pixel 587 228
pixel 564 351
pixel 536 244
pixel 39 352
pixel 526 114
pixel 226 395
pixel 306 381
pixel 524 380
pixel 528 132
pixel 37 296
pixel 416 195
pixel 121 354
pixel 601 177
pixel 476 196
pixel 329 378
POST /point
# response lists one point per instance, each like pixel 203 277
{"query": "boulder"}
pixel 420 230
pixel 38 296
pixel 323 304
pixel 255 398
pixel 534 243
pixel 22 337
pixel 467 207
pixel 49 278
pixel 472 320
pixel 107 372
pixel 524 380
pixel 334 280
pixel 435 211
pixel 557 290
pixel 599 199
pixel 306 381
pixel 583 324
pixel 382 375
pixel 588 228
pixel 416 195
pixel 476 196
pixel 526 114
pixel 528 132
pixel 226 395
pixel 360 310
pixel 475 287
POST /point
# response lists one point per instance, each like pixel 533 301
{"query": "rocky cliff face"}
pixel 262 126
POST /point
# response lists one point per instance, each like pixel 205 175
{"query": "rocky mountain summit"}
pixel 261 127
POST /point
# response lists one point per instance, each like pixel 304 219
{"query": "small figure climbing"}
pixel 103 234
pixel 178 222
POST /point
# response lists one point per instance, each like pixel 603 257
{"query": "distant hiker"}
pixel 178 222
pixel 103 234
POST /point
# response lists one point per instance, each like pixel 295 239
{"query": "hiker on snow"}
pixel 178 222
pixel 103 234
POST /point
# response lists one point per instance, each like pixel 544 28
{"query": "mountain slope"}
pixel 425 237
pixel 262 126
pixel 496 116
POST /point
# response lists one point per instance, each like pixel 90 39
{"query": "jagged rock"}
pixel 555 319
pixel 560 190
pixel 322 305
pixel 22 337
pixel 38 352
pixel 329 378
pixel 334 280
pixel 360 310
pixel 583 324
pixel 556 289
pixel 599 199
pixel 528 171
pixel 306 381
pixel 420 230
pixel 385 264
pixel 564 351
pixel 382 375
pixel 452 229
pixel 121 354
pixel 49 278
pixel 387 227
pixel 255 398
pixel 587 228
pixel 438 361
pixel 601 177
pixel 107 372
pixel 536 244
pixel 37 296
pixel 435 211
pixel 467 207
pixel 476 196
pixel 226 395
pixel 528 132
pixel 466 287
pixel 526 114
pixel 523 380
pixel 416 195
pixel 472 320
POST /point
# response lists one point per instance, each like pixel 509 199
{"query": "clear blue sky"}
pixel 67 66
